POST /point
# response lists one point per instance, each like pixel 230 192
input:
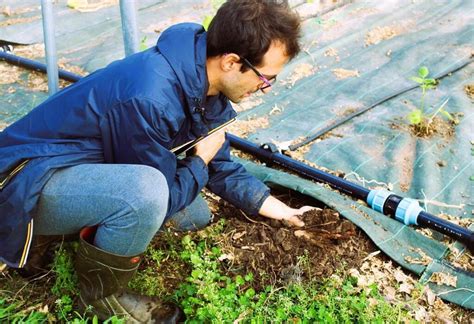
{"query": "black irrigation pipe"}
pixel 405 210
pixel 341 121
pixel 34 65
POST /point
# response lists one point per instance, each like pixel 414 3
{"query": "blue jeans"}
pixel 127 202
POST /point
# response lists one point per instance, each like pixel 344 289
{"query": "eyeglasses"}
pixel 267 83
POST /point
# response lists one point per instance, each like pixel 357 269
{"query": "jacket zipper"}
pixel 198 108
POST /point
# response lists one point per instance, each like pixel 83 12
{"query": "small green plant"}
pixel 419 117
pixel 208 18
pixel 208 295
pixel 65 286
pixel 143 45
pixel 13 313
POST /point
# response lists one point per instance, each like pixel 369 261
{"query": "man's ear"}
pixel 230 61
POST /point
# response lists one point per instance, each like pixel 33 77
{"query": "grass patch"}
pixel 209 295
pixel 190 269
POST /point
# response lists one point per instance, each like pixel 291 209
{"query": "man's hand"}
pixel 276 209
pixel 209 146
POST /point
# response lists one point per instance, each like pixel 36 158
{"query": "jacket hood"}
pixel 184 47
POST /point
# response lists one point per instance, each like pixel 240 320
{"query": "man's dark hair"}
pixel 248 27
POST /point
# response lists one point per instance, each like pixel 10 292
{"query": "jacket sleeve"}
pixel 232 182
pixel 136 132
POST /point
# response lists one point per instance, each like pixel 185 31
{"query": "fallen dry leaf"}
pixel 90 6
pixel 344 74
pixel 247 104
pixel 389 293
pixel 430 296
pixel 6 11
pixel 379 34
pixel 441 278
pixel 226 257
pixel 330 52
pixel 14 21
pixel 400 276
pixel 406 288
pixel 301 71
pixel 10 73
pixel 242 128
pixel 276 110
pixel 236 236
pixel 420 313
pixel 424 258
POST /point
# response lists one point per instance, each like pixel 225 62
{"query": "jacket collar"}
pixel 184 47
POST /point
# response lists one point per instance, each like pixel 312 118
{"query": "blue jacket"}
pixel 133 111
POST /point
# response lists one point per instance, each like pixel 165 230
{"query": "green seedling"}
pixel 419 118
pixel 208 18
pixel 143 44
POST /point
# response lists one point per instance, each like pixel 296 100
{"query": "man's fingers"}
pixel 295 221
pixel 305 209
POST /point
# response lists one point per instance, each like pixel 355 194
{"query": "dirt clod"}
pixel 442 163
pixel 469 89
pixel 436 126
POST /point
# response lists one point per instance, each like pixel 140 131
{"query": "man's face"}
pixel 237 85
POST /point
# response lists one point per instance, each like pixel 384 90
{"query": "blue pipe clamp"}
pixel 407 210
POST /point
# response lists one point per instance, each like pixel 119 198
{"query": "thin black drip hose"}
pixel 341 121
pixel 354 190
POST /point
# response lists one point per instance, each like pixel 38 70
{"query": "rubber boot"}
pixel 103 278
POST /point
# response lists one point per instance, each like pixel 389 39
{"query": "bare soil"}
pixel 436 126
pixel 275 253
pixel 428 129
pixel 279 254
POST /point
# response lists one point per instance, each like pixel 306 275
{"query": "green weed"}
pixel 65 285
pixel 143 44
pixel 419 117
pixel 162 257
pixel 208 18
pixel 210 296
pixel 12 313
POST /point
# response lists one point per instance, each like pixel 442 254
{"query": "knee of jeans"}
pixel 199 220
pixel 149 200
pixel 194 217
